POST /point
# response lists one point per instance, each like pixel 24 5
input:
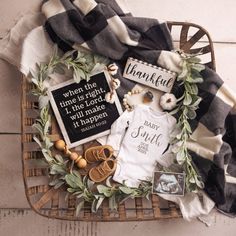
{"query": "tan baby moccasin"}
pixel 98 153
pixel 102 171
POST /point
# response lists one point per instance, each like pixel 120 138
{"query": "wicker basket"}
pixel 49 202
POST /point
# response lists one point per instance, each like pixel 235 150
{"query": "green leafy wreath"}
pixel 61 169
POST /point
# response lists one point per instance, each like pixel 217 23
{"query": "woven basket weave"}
pixel 49 202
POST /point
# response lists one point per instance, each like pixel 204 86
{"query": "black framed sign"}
pixel 81 110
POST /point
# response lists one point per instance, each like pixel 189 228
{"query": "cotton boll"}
pixel 112 69
pixel 115 83
pixel 168 101
pixel 110 97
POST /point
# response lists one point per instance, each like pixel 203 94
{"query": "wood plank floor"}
pixel 16 218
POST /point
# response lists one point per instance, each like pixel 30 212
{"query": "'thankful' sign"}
pixel 150 75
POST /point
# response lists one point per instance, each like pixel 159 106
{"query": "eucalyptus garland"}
pixel 62 171
pixel 186 108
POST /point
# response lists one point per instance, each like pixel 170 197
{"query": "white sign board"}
pixel 149 75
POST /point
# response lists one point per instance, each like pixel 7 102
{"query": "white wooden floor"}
pixel 16 218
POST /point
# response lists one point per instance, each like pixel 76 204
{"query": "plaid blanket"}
pixel 107 28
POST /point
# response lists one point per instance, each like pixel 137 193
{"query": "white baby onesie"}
pixel 140 137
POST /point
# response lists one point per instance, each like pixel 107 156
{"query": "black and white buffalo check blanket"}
pixel 107 28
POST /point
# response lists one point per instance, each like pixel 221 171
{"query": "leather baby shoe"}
pixel 98 153
pixel 102 171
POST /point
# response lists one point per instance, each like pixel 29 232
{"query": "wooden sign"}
pixel 149 75
pixel 81 110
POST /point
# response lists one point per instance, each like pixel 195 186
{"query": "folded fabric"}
pixel 104 28
pixel 192 205
pixel 11 47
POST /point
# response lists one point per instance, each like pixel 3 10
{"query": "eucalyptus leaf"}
pixel 196 102
pixel 35 81
pixel 173 112
pixel 180 157
pixel 194 60
pixel 47 156
pixel 185 113
pixel 88 195
pixel 71 190
pixel 43 101
pixel 48 143
pixel 74 181
pixel 109 193
pixel 76 76
pixel 102 188
pixel 81 60
pixel 93 207
pixel 59 158
pixel 126 190
pixel 192 89
pixel 198 80
pixel 84 179
pixel 78 195
pixel 187 100
pixel 183 73
pixel 179 136
pixel 77 174
pixel 37 141
pixel 188 128
pixel 89 183
pixel 198 67
pixel 44 114
pixel 57 169
pixel 46 127
pixel 191 115
pixel 39 128
pixel 108 182
pixel 199 183
pixel 97 203
pixel 33 74
pixel 192 180
pixel 54 182
pixel 79 208
pixel 59 184
pixel 82 73
pixel 189 79
pixel 187 87
pixel 195 73
pixel 112 203
pixel 79 178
